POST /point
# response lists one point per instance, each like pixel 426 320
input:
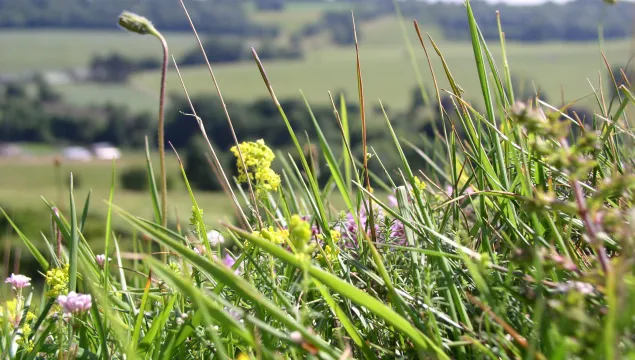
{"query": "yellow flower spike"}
pixel 257 158
pixel 30 316
pixel 57 279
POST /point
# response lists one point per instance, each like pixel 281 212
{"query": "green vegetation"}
pixel 508 232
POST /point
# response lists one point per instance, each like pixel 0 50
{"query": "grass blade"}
pixel 74 243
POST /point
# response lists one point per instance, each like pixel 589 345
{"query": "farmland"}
pixel 387 66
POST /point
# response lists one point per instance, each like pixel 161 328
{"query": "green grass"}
pixel 555 67
pixel 534 262
pixel 135 98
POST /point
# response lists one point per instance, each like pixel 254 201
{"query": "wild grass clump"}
pixel 517 242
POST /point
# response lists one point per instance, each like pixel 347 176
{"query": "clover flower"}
pixel 74 303
pixel 349 228
pixel 398 232
pixel 256 158
pixel 18 281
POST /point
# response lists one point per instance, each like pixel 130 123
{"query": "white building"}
pixel 105 151
pixel 77 153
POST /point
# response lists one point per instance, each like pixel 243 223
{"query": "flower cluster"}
pixel 74 303
pixel 57 279
pixel 331 253
pixel 257 159
pixel 276 236
pixel 350 230
pixel 398 232
pixel 300 234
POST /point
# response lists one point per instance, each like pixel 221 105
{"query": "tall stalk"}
pixel 140 25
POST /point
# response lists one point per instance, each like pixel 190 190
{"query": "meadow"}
pixel 517 245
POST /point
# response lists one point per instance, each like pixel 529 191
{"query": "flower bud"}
pixel 136 23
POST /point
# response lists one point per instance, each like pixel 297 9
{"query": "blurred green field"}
pixel 295 15
pixel 387 69
pixel 49 49
pixel 388 73
pixel 23 183
pixel 557 68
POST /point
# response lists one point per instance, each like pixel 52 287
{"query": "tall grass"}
pixel 515 242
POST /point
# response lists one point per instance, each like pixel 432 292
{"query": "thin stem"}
pixel 164 182
pixel 226 111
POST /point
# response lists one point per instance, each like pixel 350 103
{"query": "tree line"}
pixel 210 16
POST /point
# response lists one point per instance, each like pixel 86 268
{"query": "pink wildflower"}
pixel 398 232
pixel 18 281
pixel 74 303
pixel 100 260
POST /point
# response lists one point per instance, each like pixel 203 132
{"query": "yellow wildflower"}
pixel 57 279
pixel 331 254
pixel 257 159
pixel 336 235
pixel 300 232
pixel 23 339
pixel 26 330
pixel 242 356
pixel 420 184
pixel 10 311
pixel 30 316
pixel 276 236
